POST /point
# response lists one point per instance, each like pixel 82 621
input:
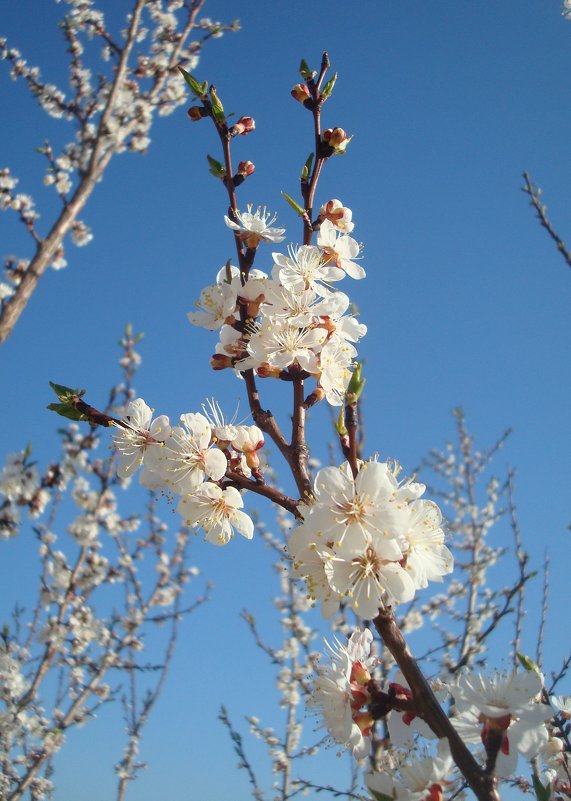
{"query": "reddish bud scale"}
pixel 314 397
pixel 220 362
pixel 265 370
pixel 196 113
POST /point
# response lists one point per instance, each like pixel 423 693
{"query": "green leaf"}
pixel 527 663
pixel 328 88
pixel 67 410
pixel 66 393
pixel 295 206
pixel 541 793
pixel 196 88
pixel 217 107
pixel 228 269
pixel 216 168
pixel 340 424
pixel 356 385
pixel 304 70
pixel 307 168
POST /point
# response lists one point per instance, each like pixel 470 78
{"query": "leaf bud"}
pixel 356 386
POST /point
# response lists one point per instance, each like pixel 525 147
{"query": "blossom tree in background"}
pixel 84 643
pixel 117 85
pixel 363 540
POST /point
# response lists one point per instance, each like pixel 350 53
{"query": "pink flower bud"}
pixel 300 92
pixel 336 139
pixel 246 168
pixel 244 126
pixel 334 136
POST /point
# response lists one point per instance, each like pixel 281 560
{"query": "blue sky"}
pixel 466 299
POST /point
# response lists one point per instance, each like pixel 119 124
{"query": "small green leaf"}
pixel 217 107
pixel 196 88
pixel 541 793
pixel 295 206
pixel 216 168
pixel 340 424
pixel 66 393
pixel 307 168
pixel 356 385
pixel 67 410
pixel 328 88
pixel 527 663
pixel 228 278
pixel 304 70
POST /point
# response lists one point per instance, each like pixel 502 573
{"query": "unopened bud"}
pixel 220 362
pixel 196 113
pixel 300 92
pixel 246 168
pixel 336 139
pixel 244 126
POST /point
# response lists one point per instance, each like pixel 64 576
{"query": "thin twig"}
pixel 534 192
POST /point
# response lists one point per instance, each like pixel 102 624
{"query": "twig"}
pixel 534 192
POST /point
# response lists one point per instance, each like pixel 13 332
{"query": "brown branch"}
pixel 273 494
pixel 541 210
pixel 483 786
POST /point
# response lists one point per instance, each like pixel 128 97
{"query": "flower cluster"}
pixel 190 460
pixel 370 541
pixel 504 713
pixel 340 693
pixel 293 322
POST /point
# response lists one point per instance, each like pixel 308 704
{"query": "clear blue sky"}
pixel 466 299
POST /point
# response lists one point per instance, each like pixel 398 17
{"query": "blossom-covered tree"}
pixel 364 541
